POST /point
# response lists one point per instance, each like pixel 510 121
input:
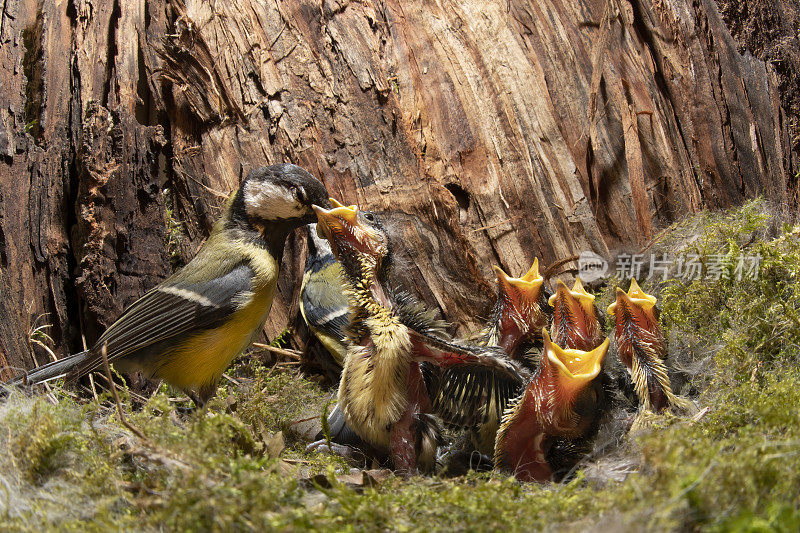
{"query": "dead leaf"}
pixel 374 477
pixel 316 481
pixel 273 444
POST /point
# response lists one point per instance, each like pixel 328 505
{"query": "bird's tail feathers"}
pixel 51 371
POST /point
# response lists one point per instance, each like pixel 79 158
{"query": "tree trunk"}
pixel 490 132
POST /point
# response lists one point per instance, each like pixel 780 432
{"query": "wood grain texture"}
pixel 489 132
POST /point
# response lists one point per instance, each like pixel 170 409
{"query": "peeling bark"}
pixel 490 132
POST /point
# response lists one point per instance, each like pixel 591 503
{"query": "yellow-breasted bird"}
pixel 642 348
pixel 323 304
pixel 382 394
pixel 188 329
pixel 547 409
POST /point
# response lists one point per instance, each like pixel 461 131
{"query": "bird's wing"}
pixel 170 311
pixel 477 383
pixel 470 395
pixel 322 312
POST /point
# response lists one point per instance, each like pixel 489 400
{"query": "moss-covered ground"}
pixel 68 463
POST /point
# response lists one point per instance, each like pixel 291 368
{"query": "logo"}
pixel 591 266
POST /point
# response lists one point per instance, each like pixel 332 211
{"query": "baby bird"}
pixel 382 394
pixel 519 314
pixel 575 321
pixel 323 304
pixel 641 348
pixel 548 408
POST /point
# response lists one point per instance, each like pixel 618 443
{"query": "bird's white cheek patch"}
pixel 268 201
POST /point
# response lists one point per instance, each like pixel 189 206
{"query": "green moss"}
pixel 735 468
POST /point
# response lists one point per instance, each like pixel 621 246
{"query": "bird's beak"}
pixel 575 369
pixel 335 219
pixel 342 227
pixel 524 289
pixel 634 297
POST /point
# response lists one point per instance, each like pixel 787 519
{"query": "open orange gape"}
pixel 545 409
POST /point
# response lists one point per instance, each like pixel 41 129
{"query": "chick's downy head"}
pixel 358 239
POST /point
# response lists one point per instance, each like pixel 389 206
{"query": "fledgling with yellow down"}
pixel 382 395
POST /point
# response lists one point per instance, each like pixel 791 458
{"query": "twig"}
pixel 291 354
pixel 272 368
pixel 701 414
pixel 136 431
pixel 305 420
pixel 492 226
pixel 94 390
pixel 557 264
pixel 230 379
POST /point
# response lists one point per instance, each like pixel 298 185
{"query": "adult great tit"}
pixel 188 329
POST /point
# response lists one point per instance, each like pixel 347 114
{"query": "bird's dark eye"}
pixel 370 217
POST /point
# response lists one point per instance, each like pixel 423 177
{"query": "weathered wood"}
pixel 490 133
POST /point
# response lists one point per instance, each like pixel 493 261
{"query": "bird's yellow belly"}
pixel 200 362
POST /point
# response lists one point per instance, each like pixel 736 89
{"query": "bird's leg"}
pixel 402 440
pixel 511 335
pixel 352 454
pixel 403 436
pixel 201 398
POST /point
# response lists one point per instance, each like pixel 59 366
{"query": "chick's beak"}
pixel 575 368
pixel 635 297
pixel 532 275
pixel 335 219
pixel 342 227
pixel 526 288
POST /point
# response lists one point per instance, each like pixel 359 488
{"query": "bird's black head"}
pixel 278 194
